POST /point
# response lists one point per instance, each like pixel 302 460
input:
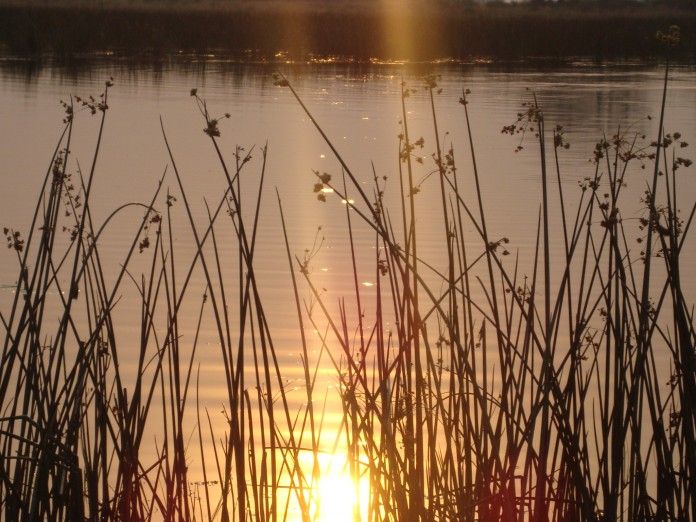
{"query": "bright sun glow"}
pixel 336 493
pixel 337 498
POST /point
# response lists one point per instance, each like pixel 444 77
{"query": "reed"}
pixel 474 386
pixel 572 423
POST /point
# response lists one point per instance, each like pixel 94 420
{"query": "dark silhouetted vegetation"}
pixel 350 30
pixel 468 389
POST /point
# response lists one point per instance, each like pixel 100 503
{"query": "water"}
pixel 359 109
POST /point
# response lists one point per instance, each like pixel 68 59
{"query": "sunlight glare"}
pixel 337 497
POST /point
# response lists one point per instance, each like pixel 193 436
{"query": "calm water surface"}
pixel 359 108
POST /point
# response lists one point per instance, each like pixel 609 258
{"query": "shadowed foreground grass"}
pixel 355 29
pixel 540 399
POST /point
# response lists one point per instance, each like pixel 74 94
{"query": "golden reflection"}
pixel 339 496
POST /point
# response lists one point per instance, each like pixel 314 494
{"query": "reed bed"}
pixel 351 30
pixel 468 389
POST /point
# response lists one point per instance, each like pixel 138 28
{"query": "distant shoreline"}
pixel 351 29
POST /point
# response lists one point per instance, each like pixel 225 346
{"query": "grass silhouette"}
pixel 470 391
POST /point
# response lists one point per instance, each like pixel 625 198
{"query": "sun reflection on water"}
pixel 338 495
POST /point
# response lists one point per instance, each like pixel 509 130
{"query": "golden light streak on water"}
pixel 295 150
pixel 339 496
